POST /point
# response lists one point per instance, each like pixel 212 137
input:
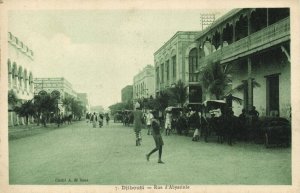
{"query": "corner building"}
pixel 55 86
pixel 176 60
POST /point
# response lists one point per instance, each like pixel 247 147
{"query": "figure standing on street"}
pixel 138 116
pixel 87 117
pixel 157 139
pixel 149 117
pixel 107 118
pixel 94 120
pixel 100 120
pixel 168 122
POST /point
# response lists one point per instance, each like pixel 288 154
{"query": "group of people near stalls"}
pixel 97 118
pixel 221 121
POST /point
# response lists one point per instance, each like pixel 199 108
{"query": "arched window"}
pixel 227 35
pixel 55 94
pixel 25 78
pixel 193 65
pixel 20 75
pixel 9 67
pixel 42 93
pixel 14 70
pixel 30 79
pixel 9 71
pixel 241 28
pixel 258 19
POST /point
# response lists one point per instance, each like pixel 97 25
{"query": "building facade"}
pixel 254 44
pixel 127 93
pixel 83 97
pixel 144 83
pixel 20 77
pixel 175 61
pixel 55 86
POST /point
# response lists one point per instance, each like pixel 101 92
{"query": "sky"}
pixel 98 51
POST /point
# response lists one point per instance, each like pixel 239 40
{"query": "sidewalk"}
pixel 22 131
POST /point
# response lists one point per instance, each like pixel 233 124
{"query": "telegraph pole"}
pixel 207 19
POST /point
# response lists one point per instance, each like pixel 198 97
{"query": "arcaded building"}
pixel 55 86
pixel 254 43
pixel 20 77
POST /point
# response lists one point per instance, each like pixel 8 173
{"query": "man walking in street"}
pixel 157 139
pixel 138 116
pixel 94 120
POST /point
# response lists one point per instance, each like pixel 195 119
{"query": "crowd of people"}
pixel 97 119
pixel 222 122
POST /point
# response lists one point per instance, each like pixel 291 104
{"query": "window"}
pixel 162 72
pixel 174 67
pixel 193 65
pixel 167 70
pixel 157 76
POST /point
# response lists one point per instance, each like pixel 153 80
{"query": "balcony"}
pixel 269 36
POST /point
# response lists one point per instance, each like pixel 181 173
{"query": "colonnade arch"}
pixel 18 76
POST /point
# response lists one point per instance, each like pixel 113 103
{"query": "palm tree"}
pixel 163 100
pixel 216 80
pixel 241 87
pixel 179 93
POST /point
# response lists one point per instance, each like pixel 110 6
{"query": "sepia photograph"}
pixel 145 99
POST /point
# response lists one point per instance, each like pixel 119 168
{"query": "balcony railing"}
pixel 278 31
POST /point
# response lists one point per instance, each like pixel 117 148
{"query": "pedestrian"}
pixel 93 120
pixel 168 122
pixel 196 125
pixel 182 124
pixel 87 117
pixel 155 124
pixel 100 120
pixel 138 116
pixel 107 118
pixel 149 117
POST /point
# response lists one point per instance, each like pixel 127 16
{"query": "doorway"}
pixel 272 95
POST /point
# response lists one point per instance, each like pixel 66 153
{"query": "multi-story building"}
pixel 255 44
pixel 83 97
pixel 20 78
pixel 127 93
pixel 175 61
pixel 144 84
pixel 55 86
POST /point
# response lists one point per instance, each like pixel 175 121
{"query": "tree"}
pixel 12 99
pixel 77 108
pixel 26 110
pixel 179 93
pixel 67 103
pixel 44 105
pixel 163 100
pixel 215 79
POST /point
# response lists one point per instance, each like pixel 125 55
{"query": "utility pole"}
pixel 207 19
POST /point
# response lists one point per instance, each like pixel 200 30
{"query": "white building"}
pixel 144 83
pixel 20 78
